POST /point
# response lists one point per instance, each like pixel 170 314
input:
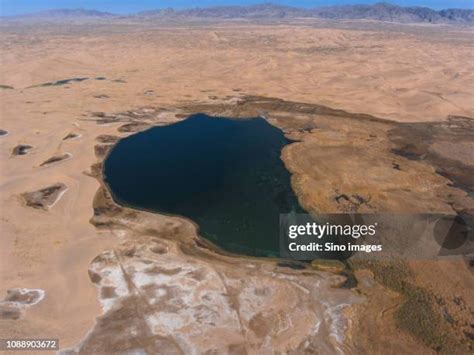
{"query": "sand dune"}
pixel 405 74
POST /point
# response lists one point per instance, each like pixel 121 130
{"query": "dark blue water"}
pixel 226 175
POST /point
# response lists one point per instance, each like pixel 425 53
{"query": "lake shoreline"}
pixel 184 238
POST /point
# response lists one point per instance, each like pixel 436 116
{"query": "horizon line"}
pixel 182 8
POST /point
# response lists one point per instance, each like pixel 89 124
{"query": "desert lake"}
pixel 224 174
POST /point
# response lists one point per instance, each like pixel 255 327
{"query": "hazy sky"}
pixel 13 7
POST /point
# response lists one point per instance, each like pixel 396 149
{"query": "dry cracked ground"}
pixel 382 116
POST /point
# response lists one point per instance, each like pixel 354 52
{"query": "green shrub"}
pixel 417 314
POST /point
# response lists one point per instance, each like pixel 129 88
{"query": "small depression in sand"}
pixel 224 174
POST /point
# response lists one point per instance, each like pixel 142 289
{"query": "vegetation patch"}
pixel 418 314
pixel 59 82
pixel 328 265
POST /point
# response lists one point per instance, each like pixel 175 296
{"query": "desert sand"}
pixel 145 74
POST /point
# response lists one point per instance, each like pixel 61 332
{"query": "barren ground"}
pixel 410 77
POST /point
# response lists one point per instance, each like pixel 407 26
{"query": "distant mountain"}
pixel 379 12
pixel 458 15
pixel 249 12
pixel 68 13
pixel 393 13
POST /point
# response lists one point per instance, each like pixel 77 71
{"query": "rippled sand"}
pixel 403 73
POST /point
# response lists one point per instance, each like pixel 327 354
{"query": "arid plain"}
pixel 96 261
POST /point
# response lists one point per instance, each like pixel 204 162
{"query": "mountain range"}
pixel 378 12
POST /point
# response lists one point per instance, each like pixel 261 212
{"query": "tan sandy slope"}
pixel 404 74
